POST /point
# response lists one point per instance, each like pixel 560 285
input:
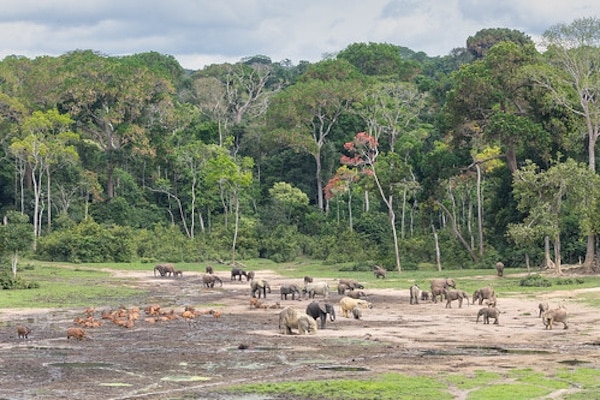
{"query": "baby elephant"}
pixel 555 315
pixel 487 313
pixel 452 295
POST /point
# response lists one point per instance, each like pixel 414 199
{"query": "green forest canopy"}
pixel 376 155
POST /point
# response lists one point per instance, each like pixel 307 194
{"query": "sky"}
pixel 203 32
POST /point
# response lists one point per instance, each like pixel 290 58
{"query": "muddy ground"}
pixel 178 359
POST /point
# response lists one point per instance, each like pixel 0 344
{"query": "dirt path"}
pixel 175 359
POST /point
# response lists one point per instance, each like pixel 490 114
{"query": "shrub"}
pixel 534 281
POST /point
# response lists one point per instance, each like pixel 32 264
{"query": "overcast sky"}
pixel 202 32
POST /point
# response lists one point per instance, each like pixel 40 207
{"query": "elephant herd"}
pixel 353 302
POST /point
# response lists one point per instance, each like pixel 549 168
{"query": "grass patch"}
pixel 386 387
pixel 477 379
pixel 74 286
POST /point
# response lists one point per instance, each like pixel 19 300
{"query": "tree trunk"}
pixel 557 254
pixel 479 211
pixel 319 181
pixel 14 260
pixel 457 232
pixel 236 227
pixel 548 259
pixel 438 257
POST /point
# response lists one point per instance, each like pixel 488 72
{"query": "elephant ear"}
pixel 323 308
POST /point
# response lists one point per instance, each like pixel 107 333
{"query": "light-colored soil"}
pixel 176 359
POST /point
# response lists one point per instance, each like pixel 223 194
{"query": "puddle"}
pixel 115 384
pixel 483 351
pixel 573 362
pixel 81 365
pixel 185 378
pixel 343 368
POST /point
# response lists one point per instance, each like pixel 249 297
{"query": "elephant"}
pixel 543 308
pixel 308 279
pixel 320 310
pixel 342 287
pixel 438 285
pixel 425 295
pixel 351 283
pixel 414 294
pixel 487 313
pixel 500 268
pixel 486 292
pixel 209 280
pixel 291 318
pixel 452 295
pixel 555 315
pixel 356 294
pixel 379 272
pixel 312 289
pixel 289 289
pixel 250 275
pixel 258 286
pixel 164 269
pixel 348 304
pixel 237 273
pixel 209 269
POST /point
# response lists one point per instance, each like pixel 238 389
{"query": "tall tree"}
pixel 112 99
pixel 232 176
pixel 547 196
pixel 304 115
pixel 15 237
pixel 389 174
pixel 45 144
pixel 574 49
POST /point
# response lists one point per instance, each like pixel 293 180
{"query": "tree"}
pixel 15 236
pixel 288 198
pixel 112 100
pixel 232 176
pixel 43 146
pixel 364 150
pixel 304 115
pixel 574 50
pixel 548 196
pixel 480 43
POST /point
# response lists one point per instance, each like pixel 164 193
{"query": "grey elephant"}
pixel 483 293
pixel 237 273
pixel 425 295
pixel 292 289
pixel 291 318
pixel 320 310
pixel 259 286
pixel 500 268
pixel 351 283
pixel 487 313
pixel 437 287
pixel 209 269
pixel 379 272
pixel 543 308
pixel 312 289
pixel 414 294
pixel 342 288
pixel 209 280
pixel 452 295
pixel 551 316
pixel 164 269
pixel 356 294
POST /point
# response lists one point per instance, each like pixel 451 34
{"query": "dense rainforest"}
pixel 375 155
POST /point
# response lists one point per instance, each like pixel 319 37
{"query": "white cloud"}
pixel 200 32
